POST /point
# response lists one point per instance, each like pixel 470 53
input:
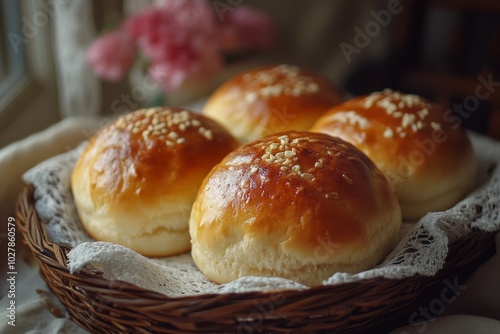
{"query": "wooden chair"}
pixel 446 50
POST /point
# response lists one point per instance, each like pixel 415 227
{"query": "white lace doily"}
pixel 422 250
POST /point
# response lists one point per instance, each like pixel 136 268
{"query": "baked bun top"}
pixel 271 99
pixel 278 198
pixel 148 156
pixel 422 152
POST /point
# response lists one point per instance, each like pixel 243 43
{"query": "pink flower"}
pixel 179 38
pixel 246 28
pixel 111 55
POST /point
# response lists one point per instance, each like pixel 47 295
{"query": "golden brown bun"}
pixel 269 100
pixel 429 161
pixel 297 205
pixel 136 180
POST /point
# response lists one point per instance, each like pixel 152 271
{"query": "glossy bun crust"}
pixel 136 180
pixel 297 205
pixel 429 161
pixel 271 99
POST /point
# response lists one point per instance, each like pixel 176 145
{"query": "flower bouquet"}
pixel 177 42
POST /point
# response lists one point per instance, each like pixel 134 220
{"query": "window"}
pixel 12 59
pixel 28 87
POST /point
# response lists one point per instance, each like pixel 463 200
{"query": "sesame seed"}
pixel 195 122
pixel 307 175
pixel 319 163
pixel 251 97
pixel 173 135
pixel 332 195
pixel 169 143
pixel 347 179
pixel 180 140
pixel 388 133
pixel 436 126
pixel 245 184
pixel 208 134
pixel 284 168
pixel 254 170
pixel 276 81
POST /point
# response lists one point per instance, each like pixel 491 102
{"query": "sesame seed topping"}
pixel 254 170
pixel 161 123
pixel 277 81
pixel 351 117
pixel 410 109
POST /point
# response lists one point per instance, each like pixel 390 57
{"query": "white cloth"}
pixel 422 249
pixel 475 310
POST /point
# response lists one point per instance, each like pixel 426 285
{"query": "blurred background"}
pixel 445 50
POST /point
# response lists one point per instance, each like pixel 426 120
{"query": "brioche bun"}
pixel 271 99
pixel 296 205
pixel 429 161
pixel 136 180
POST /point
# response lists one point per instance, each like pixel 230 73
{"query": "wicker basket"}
pixel 374 305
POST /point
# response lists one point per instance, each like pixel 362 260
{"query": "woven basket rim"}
pixel 96 290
